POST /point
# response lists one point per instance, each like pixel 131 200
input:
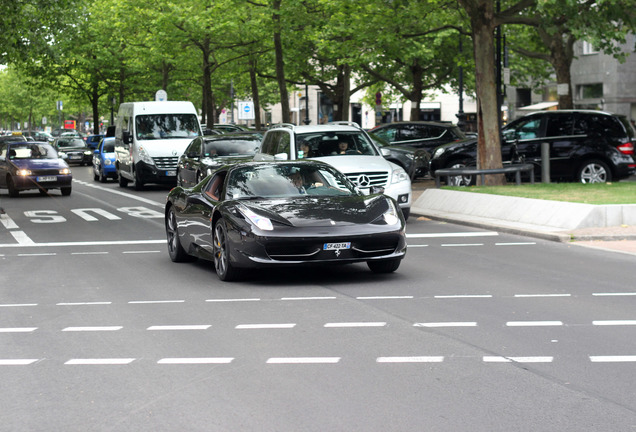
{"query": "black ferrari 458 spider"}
pixel 283 214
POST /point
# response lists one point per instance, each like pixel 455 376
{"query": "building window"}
pixel 588 48
pixel 590 91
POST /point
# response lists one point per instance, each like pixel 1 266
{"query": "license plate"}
pixel 46 178
pixel 336 246
pixel 171 173
pixel 75 156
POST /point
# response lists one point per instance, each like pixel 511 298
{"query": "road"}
pixel 477 331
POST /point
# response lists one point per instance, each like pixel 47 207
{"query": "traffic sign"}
pixel 246 110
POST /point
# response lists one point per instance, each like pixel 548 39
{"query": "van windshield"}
pixel 166 126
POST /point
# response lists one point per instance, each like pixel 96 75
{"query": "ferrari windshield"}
pixel 31 151
pixel 166 126
pixel 287 180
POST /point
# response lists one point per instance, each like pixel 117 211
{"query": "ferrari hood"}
pixel 309 211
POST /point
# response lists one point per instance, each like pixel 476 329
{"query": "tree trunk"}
pixel 561 47
pixel 255 96
pixel 488 144
pixel 280 63
pixel 416 95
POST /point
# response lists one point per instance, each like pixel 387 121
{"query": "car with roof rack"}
pixel 346 147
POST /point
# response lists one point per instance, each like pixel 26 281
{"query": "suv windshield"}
pixel 318 144
pixel 166 126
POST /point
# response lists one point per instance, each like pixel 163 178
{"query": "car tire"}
pixel 175 250
pixel 221 247
pixel 13 192
pixel 123 182
pixel 66 191
pixel 406 212
pixel 465 180
pixel 384 266
pixel 139 184
pixel 101 177
pixel 594 171
pixel 95 174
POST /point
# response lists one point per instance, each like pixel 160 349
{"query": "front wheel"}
pixel 594 171
pixel 66 191
pixel 224 269
pixel 460 180
pixel 123 182
pixel 175 250
pixel 384 266
pixel 13 191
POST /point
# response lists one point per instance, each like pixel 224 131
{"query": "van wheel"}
pixel 121 180
pixel 594 171
pixel 139 184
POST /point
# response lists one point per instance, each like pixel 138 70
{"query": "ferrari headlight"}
pixel 391 216
pixel 24 172
pixel 399 175
pixel 260 221
pixel 438 152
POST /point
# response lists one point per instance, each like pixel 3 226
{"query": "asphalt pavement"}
pixel 600 234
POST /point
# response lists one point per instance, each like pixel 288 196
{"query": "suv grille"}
pixel 368 179
pixel 166 163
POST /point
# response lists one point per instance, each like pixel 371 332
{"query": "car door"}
pixel 563 142
pixel 4 165
pixel 189 163
pixel 521 140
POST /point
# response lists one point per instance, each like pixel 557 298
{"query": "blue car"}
pixel 32 165
pixel 104 160
pixel 93 141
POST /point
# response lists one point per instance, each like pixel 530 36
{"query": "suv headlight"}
pixel 438 152
pixel 399 175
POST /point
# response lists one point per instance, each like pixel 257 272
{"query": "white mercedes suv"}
pixel 347 148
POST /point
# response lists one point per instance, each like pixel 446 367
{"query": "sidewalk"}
pixel 620 238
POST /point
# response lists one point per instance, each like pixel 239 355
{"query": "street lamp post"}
pixel 307 121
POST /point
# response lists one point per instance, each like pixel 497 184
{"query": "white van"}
pixel 150 137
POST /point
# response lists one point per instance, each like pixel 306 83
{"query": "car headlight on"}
pixel 391 216
pixel 24 172
pixel 88 152
pixel 65 171
pixel 399 175
pixel 62 155
pixel 438 152
pixel 259 221
pixel 145 157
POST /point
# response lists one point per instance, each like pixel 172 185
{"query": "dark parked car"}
pixel 277 214
pixel 32 165
pixel 414 161
pixel 205 154
pixel 104 160
pixel 585 146
pixel 419 134
pixel 73 150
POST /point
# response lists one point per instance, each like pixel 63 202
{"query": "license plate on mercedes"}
pixel 336 246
